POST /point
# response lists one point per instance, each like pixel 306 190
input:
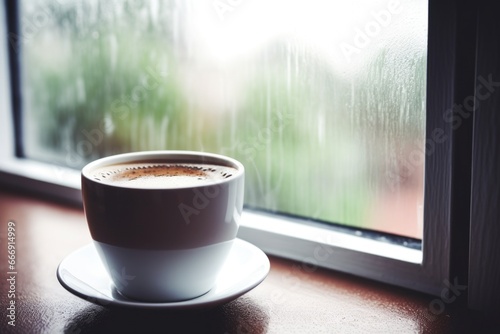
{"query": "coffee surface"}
pixel 161 175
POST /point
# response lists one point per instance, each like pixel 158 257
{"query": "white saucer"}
pixel 82 274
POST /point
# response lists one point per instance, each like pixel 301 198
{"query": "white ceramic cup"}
pixel 163 242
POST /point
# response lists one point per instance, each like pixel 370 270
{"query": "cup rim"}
pixel 174 155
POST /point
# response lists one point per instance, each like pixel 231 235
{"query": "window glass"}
pixel 322 101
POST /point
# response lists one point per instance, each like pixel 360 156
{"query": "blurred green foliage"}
pixel 99 81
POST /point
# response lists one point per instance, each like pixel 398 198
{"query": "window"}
pixel 319 102
pixel 335 108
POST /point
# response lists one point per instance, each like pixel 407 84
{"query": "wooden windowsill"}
pixel 294 298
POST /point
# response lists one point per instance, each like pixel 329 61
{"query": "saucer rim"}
pixel 193 303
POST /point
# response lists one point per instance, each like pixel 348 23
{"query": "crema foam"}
pixel 162 175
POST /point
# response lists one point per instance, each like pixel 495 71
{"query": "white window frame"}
pixel 313 245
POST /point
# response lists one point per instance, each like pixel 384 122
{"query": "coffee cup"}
pixel 163 222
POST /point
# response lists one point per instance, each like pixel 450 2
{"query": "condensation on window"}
pixel 323 101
